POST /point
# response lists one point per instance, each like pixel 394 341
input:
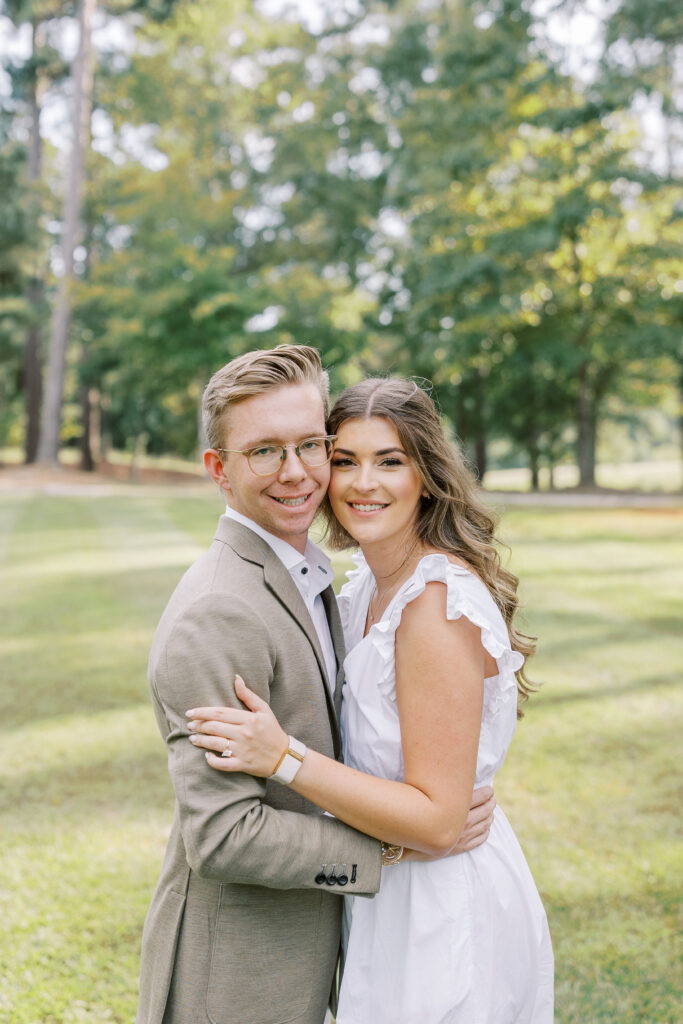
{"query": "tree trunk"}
pixel 87 460
pixel 680 419
pixel 533 466
pixel 48 448
pixel 533 449
pixel 33 383
pixel 586 431
pixel 139 449
pixel 201 435
pixel 480 451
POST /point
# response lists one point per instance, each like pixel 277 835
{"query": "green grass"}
pixel 85 803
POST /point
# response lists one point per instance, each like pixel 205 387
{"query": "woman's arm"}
pixel 440 668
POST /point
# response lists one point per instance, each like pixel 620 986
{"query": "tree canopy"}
pixel 413 189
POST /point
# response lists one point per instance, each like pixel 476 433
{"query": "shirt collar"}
pixel 292 559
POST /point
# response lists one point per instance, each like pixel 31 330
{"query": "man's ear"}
pixel 214 467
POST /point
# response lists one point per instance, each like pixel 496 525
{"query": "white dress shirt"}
pixel 311 572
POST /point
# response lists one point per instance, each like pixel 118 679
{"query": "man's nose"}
pixel 292 467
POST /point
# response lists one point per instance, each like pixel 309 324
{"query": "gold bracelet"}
pixel 391 854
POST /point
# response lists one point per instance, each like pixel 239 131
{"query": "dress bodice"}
pixel 369 709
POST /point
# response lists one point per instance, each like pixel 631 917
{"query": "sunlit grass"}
pixel 85 802
pixel 661 475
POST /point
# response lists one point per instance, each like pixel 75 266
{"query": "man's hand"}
pixel 477 826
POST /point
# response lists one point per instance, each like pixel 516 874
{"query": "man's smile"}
pixel 291 502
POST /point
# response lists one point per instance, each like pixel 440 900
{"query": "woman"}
pixel 429 710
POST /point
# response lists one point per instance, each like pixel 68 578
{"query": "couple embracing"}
pixel 332 763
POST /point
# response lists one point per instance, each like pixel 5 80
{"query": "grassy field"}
pixel 85 804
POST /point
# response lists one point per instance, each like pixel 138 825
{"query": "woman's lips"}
pixel 366 506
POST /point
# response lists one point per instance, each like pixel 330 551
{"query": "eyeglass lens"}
pixel 314 451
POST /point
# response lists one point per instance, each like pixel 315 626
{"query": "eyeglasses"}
pixel 266 459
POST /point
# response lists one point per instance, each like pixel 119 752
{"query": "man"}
pixel 244 924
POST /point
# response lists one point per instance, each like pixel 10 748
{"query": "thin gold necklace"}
pixel 390 590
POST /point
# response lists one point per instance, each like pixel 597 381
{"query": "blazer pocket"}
pixel 159 941
pixel 263 957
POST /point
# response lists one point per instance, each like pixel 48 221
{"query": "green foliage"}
pixel 418 191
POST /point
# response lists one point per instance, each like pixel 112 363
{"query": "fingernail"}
pixel 192 726
pixel 189 714
pixel 193 739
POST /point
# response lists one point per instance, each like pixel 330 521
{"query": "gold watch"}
pixel 391 854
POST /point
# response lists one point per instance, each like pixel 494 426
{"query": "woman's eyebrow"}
pixel 382 451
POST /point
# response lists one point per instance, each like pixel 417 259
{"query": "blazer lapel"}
pixel 249 545
pixel 334 619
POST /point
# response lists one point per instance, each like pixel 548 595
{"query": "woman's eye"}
pixel 340 462
pixel 391 462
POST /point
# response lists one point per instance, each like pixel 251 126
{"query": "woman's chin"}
pixel 364 533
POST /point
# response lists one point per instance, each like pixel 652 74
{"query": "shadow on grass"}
pixel 124 786
pixel 582 632
pixel 546 700
pixel 91 696
pixel 571 575
pixel 90 593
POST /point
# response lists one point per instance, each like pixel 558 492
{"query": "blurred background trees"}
pixel 472 192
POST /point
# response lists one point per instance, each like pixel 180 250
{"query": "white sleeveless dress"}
pixel 461 940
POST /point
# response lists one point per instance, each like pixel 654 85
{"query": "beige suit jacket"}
pixel 239 930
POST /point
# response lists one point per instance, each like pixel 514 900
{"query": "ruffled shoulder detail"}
pixel 466 595
pixel 356 581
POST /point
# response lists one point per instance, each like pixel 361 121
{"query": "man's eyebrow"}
pixel 277 441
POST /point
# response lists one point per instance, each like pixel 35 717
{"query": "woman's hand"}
pixel 240 741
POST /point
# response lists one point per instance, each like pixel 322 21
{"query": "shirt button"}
pixel 304 571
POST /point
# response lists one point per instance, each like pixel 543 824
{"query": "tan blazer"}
pixel 242 929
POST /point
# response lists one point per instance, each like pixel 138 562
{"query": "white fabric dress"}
pixel 461 940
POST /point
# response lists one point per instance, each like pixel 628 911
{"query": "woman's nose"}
pixel 365 480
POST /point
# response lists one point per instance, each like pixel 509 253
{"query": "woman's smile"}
pixel 359 507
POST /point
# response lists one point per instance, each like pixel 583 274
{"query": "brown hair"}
pixel 453 517
pixel 255 373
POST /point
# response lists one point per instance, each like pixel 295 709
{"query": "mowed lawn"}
pixel 85 804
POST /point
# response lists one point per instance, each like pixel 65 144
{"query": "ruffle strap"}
pixel 466 595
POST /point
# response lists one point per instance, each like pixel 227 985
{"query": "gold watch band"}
pixel 391 854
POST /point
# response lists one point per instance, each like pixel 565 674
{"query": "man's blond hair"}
pixel 255 373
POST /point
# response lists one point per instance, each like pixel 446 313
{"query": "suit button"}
pixel 320 877
pixel 332 878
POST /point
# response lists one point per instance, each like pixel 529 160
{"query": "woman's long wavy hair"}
pixel 453 517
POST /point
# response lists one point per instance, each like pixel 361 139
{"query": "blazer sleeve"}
pixel 229 833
